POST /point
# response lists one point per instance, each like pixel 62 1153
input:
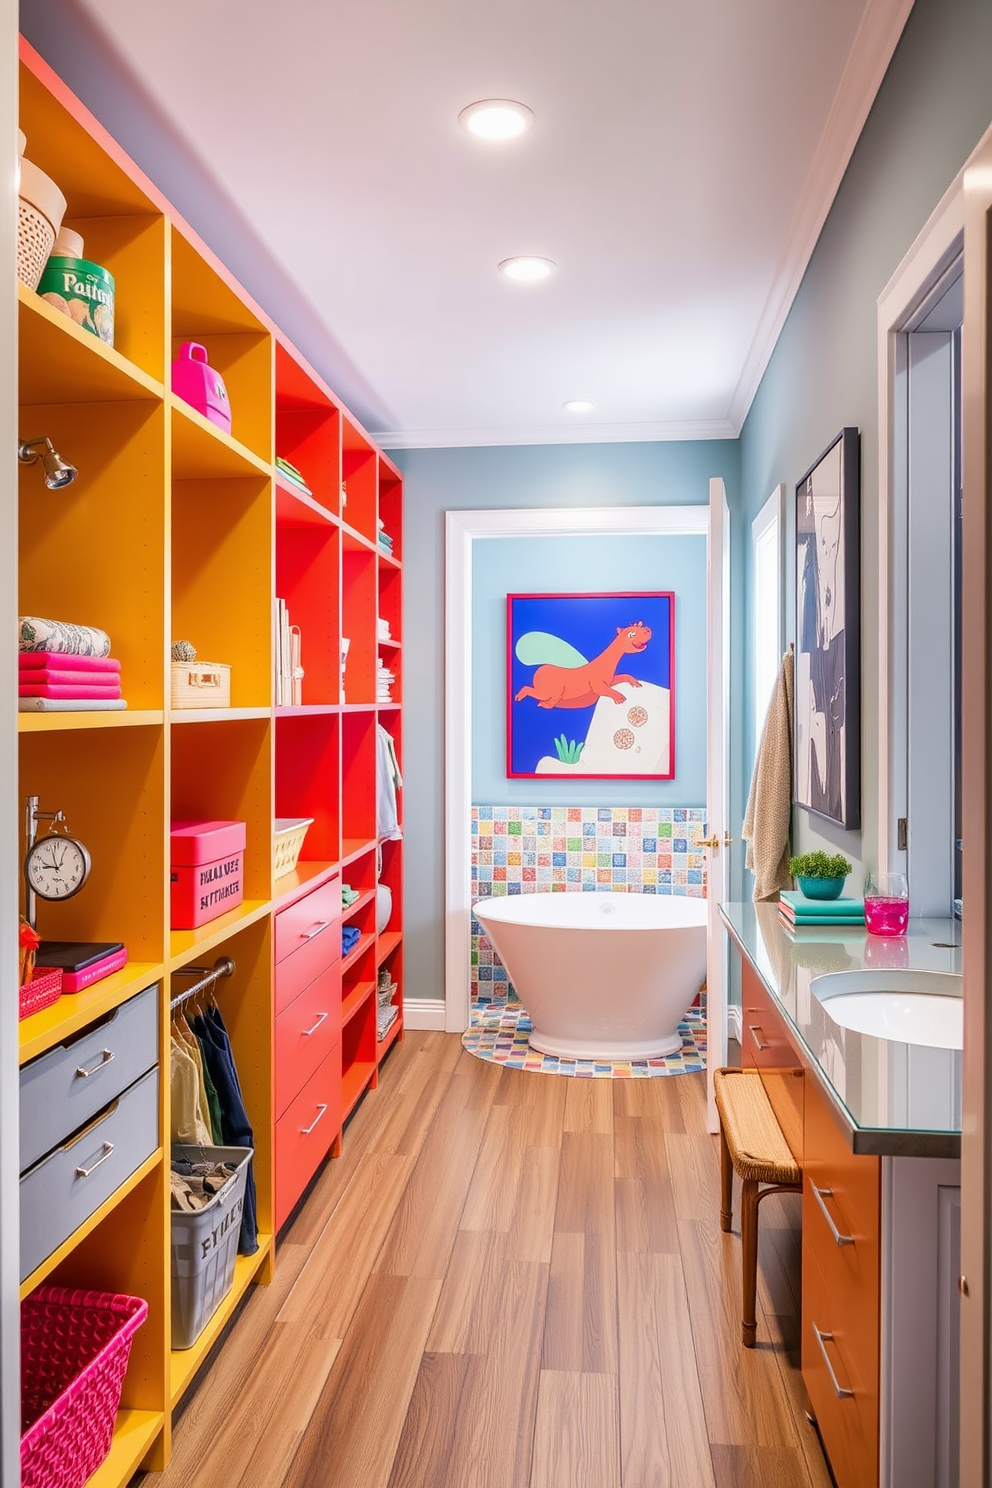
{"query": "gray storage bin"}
pixel 63 1088
pixel 64 1188
pixel 205 1246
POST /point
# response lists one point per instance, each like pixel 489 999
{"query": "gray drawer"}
pixel 64 1188
pixel 62 1089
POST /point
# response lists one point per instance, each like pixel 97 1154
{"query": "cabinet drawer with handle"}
pixel 62 1190
pixel 767 1047
pixel 306 1032
pixel 63 1088
pixel 305 1132
pixel 840 1359
pixel 307 940
pixel 841 1196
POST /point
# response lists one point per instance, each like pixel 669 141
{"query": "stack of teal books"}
pixel 795 911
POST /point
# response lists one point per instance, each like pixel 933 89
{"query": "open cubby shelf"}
pixel 178 530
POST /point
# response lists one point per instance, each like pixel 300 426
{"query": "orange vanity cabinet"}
pixel 841 1296
pixel 307 1042
pixel 766 1046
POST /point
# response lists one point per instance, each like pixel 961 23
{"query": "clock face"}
pixel 57 867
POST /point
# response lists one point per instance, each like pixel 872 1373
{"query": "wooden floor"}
pixel 510 1280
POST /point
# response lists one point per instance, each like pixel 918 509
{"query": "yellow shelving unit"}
pixel 173 530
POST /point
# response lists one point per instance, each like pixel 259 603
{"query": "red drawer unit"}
pixel 306 1032
pixel 305 1133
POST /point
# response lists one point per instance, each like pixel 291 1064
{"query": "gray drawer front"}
pixel 62 1089
pixel 56 1198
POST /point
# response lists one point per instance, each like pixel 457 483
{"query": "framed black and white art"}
pixel 828 634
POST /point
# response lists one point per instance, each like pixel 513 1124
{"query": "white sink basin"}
pixel 912 1007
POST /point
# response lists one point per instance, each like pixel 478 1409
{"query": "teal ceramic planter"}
pixel 821 888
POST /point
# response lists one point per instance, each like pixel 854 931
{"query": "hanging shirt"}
pixel 388 781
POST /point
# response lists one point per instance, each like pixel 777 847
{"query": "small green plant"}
pixel 568 751
pixel 819 865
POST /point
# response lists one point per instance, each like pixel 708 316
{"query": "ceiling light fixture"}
pixel 496 119
pixel 578 405
pixel 526 269
pixel 58 472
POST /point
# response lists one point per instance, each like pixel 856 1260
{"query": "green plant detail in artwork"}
pixel 568 751
pixel 819 865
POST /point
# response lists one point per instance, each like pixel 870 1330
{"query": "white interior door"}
pixel 717 785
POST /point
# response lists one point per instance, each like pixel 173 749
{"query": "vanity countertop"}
pixel 896 1099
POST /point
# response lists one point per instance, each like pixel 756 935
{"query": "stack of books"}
pixel 289 671
pixel 291 474
pixel 384 679
pixel 796 911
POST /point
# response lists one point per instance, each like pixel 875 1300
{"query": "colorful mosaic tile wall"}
pixel 584 849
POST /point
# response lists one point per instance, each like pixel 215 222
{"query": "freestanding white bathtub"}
pixel 603 976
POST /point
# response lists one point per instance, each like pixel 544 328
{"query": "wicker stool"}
pixel 752 1145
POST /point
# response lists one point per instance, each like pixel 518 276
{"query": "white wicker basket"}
pixel 201 684
pixel 290 832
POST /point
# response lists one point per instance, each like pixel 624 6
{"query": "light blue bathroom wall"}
pixel 674 474
pixel 933 107
pixel 576 565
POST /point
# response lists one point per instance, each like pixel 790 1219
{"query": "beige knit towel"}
pixel 768 818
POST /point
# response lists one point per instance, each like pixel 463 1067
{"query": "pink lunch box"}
pixel 207 875
pixel 196 382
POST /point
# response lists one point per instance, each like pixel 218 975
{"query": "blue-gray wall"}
pixel 675 474
pixel 577 565
pixel 933 107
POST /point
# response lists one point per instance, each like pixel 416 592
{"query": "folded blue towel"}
pixel 350 936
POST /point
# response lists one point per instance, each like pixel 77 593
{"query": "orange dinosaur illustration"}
pixel 582 685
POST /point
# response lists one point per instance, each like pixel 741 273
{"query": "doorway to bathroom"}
pixel 472 538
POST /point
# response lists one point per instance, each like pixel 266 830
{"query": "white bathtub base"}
pixel 602 1049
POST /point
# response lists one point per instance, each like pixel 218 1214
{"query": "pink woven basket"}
pixel 74 1352
pixel 44 988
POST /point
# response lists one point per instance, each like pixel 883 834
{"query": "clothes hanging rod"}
pixel 222 967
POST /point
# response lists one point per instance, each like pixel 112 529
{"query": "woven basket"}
pixel 40 209
pixel 201 684
pixel 74 1352
pixel 289 836
pixel 44 988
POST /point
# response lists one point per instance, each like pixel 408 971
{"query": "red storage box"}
pixel 208 871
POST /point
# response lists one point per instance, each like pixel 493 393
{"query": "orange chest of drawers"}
pixel 308 1105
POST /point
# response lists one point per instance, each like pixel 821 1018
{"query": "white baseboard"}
pixel 425 1013
pixel 735 1025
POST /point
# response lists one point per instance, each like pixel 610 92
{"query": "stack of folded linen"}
pixel 384 679
pixel 795 911
pixel 382 628
pixel 66 668
pixel 350 936
pixel 385 541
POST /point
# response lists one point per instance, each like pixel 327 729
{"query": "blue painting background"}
pixel 589 623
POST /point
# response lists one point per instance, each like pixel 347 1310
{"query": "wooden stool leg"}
pixel 749 1248
pixel 726 1183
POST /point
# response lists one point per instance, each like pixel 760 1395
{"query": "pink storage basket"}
pixel 44 988
pixel 74 1352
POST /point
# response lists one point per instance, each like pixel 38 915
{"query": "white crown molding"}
pixel 647 433
pixel 875 41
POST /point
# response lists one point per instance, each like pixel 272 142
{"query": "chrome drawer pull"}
pixel 308 1031
pixel 306 1130
pixel 108 1148
pixel 754 1029
pixel 107 1057
pixel 828 1193
pixel 823 1339
pixel 315 930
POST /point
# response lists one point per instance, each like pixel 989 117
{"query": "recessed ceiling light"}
pixel 527 270
pixel 578 405
pixel 496 119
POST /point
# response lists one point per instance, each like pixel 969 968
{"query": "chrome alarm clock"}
pixel 56 866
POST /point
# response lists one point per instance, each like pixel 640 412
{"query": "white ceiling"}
pixel 684 155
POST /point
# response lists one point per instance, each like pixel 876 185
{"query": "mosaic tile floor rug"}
pixel 500 1034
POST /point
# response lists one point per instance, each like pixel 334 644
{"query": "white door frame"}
pixel 920 272
pixel 462 529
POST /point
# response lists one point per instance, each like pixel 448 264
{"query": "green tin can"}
pixel 82 290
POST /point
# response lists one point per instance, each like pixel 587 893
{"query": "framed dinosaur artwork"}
pixel 590 684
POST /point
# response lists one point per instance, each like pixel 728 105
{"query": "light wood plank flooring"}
pixel 510 1281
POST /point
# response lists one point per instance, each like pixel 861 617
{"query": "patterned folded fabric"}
pixel 34 634
pixel 31 659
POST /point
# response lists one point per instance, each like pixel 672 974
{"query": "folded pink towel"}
pixel 77 690
pixel 31 660
pixel 64 677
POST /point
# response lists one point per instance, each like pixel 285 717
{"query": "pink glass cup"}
pixel 886 903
